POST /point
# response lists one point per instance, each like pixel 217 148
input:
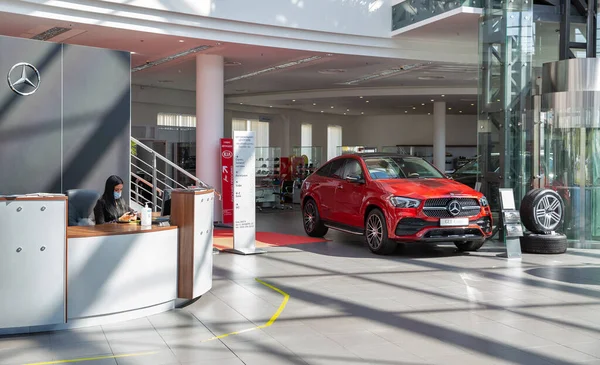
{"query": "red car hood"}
pixel 427 188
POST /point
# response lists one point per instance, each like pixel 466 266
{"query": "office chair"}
pixel 81 207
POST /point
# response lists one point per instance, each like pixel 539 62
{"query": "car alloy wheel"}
pixel 374 232
pixel 548 212
pixel 310 212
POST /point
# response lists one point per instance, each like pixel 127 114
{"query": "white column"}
pixel 210 109
pixel 439 135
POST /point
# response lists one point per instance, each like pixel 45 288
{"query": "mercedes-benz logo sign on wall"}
pixel 23 78
pixel 453 208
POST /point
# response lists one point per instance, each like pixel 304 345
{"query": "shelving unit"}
pixel 268 162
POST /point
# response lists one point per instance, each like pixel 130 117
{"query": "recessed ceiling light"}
pixel 347 110
pixel 414 107
pixel 332 107
pixel 432 100
pixel 314 103
pixel 360 97
pixel 428 113
pixel 133 52
pixel 270 106
pixel 423 104
pixel 472 104
pixel 460 111
pixel 321 111
pixel 367 101
pixel 181 41
pixel 241 103
pixel 275 68
pixel 294 100
pixel 431 77
pixel 218 43
pixel 232 63
pixel 332 71
pixel 406 111
pixel 344 113
pixel 449 108
pixel 382 74
pixel 443 96
pixel 362 112
pixel 169 58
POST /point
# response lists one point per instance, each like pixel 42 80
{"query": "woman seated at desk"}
pixel 111 206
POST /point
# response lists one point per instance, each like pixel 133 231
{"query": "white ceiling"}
pixel 327 73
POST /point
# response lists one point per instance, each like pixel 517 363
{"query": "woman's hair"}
pixel 109 199
pixel 109 188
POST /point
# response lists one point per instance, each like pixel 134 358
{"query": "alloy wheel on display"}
pixel 309 217
pixel 548 212
pixel 374 232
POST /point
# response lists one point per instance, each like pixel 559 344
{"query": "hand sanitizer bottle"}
pixel 146 216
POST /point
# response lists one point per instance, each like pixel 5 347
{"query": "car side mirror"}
pixel 355 179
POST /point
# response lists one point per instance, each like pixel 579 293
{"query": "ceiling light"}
pixel 472 104
pixel 294 100
pixel 232 63
pixel 133 52
pixel 449 108
pixel 275 68
pixel 181 41
pixel 347 110
pixel 423 104
pixel 314 103
pixel 50 33
pixel 432 100
pixel 332 71
pixel 321 111
pixel 406 111
pixel 428 113
pixel 443 96
pixel 360 97
pixel 329 54
pixel 344 113
pixel 431 77
pixel 332 107
pixel 169 58
pixel 385 73
pixel 460 111
pixel 241 103
pixel 362 112
pixel 270 106
pixel 367 101
pixel 414 107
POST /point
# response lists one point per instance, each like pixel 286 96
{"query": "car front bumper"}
pixel 426 229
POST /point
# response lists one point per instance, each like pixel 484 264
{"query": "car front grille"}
pixel 438 208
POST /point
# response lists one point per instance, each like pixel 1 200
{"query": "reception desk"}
pixel 56 277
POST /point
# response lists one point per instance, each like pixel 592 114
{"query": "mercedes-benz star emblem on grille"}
pixel 453 208
pixel 23 78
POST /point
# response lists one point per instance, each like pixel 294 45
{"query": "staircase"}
pixel 153 176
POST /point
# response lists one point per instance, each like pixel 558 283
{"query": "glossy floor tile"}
pixel 421 305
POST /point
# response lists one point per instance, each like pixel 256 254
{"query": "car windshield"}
pixel 470 168
pixel 390 167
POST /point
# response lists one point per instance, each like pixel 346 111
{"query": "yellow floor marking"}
pixel 286 298
pixel 93 358
pixel 274 317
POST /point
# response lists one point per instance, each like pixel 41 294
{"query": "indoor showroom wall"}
pixel 391 130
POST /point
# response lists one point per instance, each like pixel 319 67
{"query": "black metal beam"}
pixel 591 28
pixel 564 51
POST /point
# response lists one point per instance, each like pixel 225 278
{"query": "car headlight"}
pixel 401 202
pixel 483 201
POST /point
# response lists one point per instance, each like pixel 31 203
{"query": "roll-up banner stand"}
pixel 244 201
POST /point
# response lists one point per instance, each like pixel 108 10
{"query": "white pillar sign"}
pixel 244 181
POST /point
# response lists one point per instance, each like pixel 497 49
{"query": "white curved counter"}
pixel 55 277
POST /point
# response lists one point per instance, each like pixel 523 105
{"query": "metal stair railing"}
pixel 150 188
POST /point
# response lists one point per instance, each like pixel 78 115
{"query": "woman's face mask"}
pixel 117 194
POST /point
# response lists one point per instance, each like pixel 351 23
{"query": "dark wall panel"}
pixel 30 126
pixel 97 111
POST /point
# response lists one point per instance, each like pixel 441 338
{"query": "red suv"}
pixel 390 198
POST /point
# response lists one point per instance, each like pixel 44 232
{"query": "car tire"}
pixel 313 225
pixel 544 243
pixel 376 234
pixel 546 200
pixel 464 246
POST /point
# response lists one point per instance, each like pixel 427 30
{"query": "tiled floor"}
pixel 347 306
